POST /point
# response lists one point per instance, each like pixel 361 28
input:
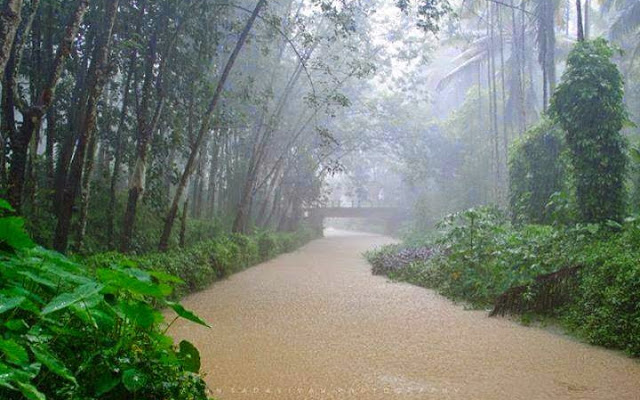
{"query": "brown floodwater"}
pixel 315 324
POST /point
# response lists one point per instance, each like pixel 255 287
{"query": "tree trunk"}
pixel 10 17
pixel 204 128
pixel 97 77
pixel 118 150
pixel 579 15
pixel 587 17
pixel 213 175
pixel 85 194
pixel 32 116
pixel 146 128
pixel 183 225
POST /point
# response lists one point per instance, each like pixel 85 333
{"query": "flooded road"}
pixel 315 324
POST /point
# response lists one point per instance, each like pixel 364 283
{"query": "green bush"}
pixel 537 170
pixel 71 331
pixel 606 310
pixel 206 262
pixel 266 246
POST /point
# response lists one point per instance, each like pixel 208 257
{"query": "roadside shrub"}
pixel 266 246
pixel 206 262
pixel 70 331
pixel 606 310
pixel 394 258
pixel 481 256
pixel 248 247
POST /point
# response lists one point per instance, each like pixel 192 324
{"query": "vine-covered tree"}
pixel 589 106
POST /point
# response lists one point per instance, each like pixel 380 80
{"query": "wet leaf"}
pixel 30 392
pixel 12 233
pixel 66 299
pixel 49 360
pixel 140 314
pixel 9 303
pixel 187 314
pixel 14 352
pixel 133 380
pixel 189 357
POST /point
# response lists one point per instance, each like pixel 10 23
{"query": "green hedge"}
pixel 206 262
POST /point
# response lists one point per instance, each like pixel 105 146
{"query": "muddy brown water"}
pixel 315 324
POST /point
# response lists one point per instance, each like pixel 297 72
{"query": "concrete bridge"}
pixel 391 216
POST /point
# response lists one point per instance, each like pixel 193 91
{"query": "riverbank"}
pixel 211 260
pixel 316 324
pixel 585 276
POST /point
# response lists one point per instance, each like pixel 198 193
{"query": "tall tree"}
pixel 205 127
pixel 85 143
pixel 20 138
pixel 10 17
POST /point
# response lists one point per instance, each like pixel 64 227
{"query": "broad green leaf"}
pixel 49 360
pixel 14 352
pixel 186 314
pixel 38 279
pixel 12 233
pixel 104 320
pixel 30 392
pixel 140 314
pixel 6 374
pixel 106 382
pixel 121 280
pixel 133 380
pixel 67 276
pixel 16 325
pixel 139 274
pixel 189 357
pixel 4 205
pixel 66 299
pixel 163 277
pixel 9 303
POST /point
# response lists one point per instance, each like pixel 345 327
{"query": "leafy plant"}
pixel 537 171
pixel 68 331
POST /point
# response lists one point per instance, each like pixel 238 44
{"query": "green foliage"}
pixel 537 171
pixel 479 255
pixel 607 309
pixel 482 256
pixel 69 331
pixel 588 104
pixel 635 158
pixel 206 262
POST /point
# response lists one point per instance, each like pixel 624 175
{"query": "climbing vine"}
pixel 537 170
pixel 588 105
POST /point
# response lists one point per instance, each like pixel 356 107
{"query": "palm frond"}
pixel 626 22
pixel 461 69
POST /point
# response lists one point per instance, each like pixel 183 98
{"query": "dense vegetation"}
pixel 72 331
pixel 92 328
pixel 165 144
pixel 122 118
pixel 479 254
pixel 568 206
